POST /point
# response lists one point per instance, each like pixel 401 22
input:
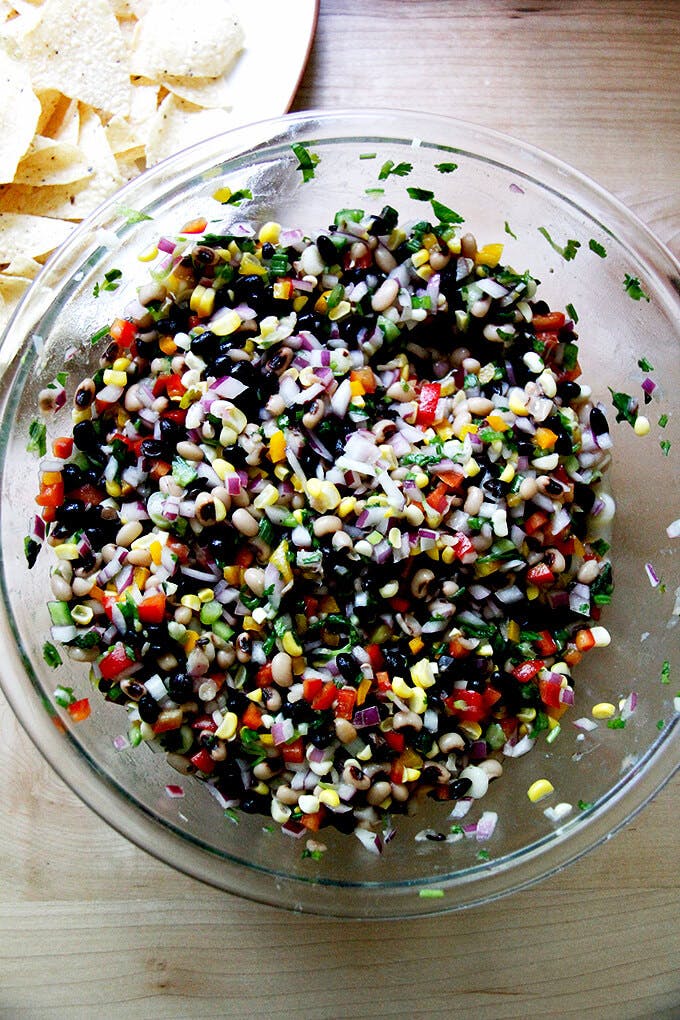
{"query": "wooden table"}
pixel 93 927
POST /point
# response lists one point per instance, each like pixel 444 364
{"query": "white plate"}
pixel 279 36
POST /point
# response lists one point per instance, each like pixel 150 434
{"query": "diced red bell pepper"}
pixel 439 499
pixel 467 705
pixel 252 717
pixel 427 403
pixel 123 332
pixel 584 640
pixel 294 752
pixel 152 608
pixel 366 377
pixel 176 414
pixel 383 681
pixel 395 740
pixel 170 384
pixel 550 340
pixel 451 479
pixel 344 703
pixel 89 494
pixel 457 650
pixel 196 226
pixel 180 550
pixel 535 522
pixel 550 692
pixel 204 723
pixel 311 606
pixel 244 557
pixel 491 696
pixel 363 262
pixel 463 545
pixel 399 604
pixel 550 321
pixel 114 662
pixel 51 495
pixel 313 822
pixel 375 656
pixel 172 721
pixel 62 447
pixel 311 688
pixel 264 676
pixel 397 770
pixel 526 671
pixel 546 643
pixel 202 761
pixel 540 574
pixel 325 698
pixel 79 710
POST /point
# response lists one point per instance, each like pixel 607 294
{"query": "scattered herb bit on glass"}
pixel 232 815
pixel 375 191
pixel 663 421
pixel 446 168
pixel 572 313
pixel 389 168
pixel 483 855
pixel 233 197
pixel 598 248
pixel 568 252
pixel 315 855
pixel 31 550
pixel 584 805
pixel 633 288
pixel 306 160
pixel 420 194
pixel 626 406
pixel 660 724
pixel 132 215
pixel 64 696
pixel 666 672
pixel 99 335
pixel 444 214
pixel 645 365
pixel 616 724
pixel 508 230
pixel 665 445
pixel 37 438
pixel 51 655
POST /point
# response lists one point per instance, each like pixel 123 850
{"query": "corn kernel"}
pixel 422 480
pixel 641 426
pixel 513 631
pixel 299 302
pixel 206 595
pixel 121 364
pixel 411 775
pixel 224 325
pixel 290 645
pixel 269 232
pixel 66 551
pixel 467 430
pixel 191 602
pixel 323 495
pixel 266 739
pixel 540 789
pixel 489 255
pixel 471 468
pixel 149 254
pixel 453 244
pixel 472 730
pixel 227 728
pixel 419 258
pixel 422 674
pixel 526 715
pixel 401 688
pixel 603 710
pixel 329 797
pixel 251 266
pixel 517 403
pixel 532 592
pixel 507 474
pixel 268 497
pixel 113 378
pixel 418 701
pixel 190 639
pixel 342 309
pixel 78 415
pixel 255 695
pixel 113 489
pixel 448 555
pixel 281 471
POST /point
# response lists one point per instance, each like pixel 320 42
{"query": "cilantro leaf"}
pixel 626 406
pixel 633 288
pixel 37 438
pixel 665 445
pixel 95 290
pixel 51 655
pixel 131 215
pixel 509 231
pixel 665 672
pixel 31 550
pixel 397 170
pixel 598 248
pixel 568 252
pixel 237 197
pixel 446 168
pixel 444 214
pixel 645 365
pixel 112 279
pixel 306 160
pixel 420 194
pixel 663 421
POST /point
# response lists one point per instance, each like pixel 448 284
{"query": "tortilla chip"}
pixel 122 136
pixel 51 162
pixel 22 266
pixel 210 93
pixel 29 236
pixel 130 8
pixel 176 38
pixel 64 125
pixel 77 47
pixel 131 164
pixel 178 124
pixel 19 113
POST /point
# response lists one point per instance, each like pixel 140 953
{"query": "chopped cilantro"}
pixel 665 445
pixel 99 335
pixel 232 815
pixel 95 290
pixel 600 546
pixel 663 421
pixel 316 855
pixel 633 288
pixel 37 438
pixel 626 406
pixel 666 672
pixel 64 696
pixel 568 252
pixel 420 194
pixel 598 248
pixel 508 230
pixel 51 655
pixel 131 215
pixel 236 197
pixel 660 724
pixel 306 160
pixel 584 805
pixel 31 550
pixel 396 170
pixel 483 855
pixel 645 365
pixel 446 168
pixel 456 830
pixel 112 279
pixel 616 724
pixel 444 214
pixel 572 313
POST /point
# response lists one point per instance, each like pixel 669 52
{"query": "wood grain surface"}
pixel 90 926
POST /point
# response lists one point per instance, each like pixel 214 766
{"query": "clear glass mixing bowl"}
pixel 499 185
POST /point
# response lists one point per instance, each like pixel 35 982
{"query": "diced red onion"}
pixel 366 717
pixel 585 724
pixel 629 705
pixel 566 696
pixel 282 731
pixel 486 826
pixel 37 528
pixel 478 750
pixel 462 806
pixel 520 748
pixel 227 387
pixel 648 385
pixel 654 578
pixel 371 840
pixel 673 529
pixel 166 245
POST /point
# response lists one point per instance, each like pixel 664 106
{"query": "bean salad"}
pixel 330 524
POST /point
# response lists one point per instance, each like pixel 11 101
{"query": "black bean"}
pixel 395 661
pixel 237 702
pixel 327 250
pixel 152 448
pixel 568 391
pixel 268 251
pixel 148 709
pixel 71 476
pixel 180 687
pixel 85 437
pixel 348 666
pixel 205 345
pixel 598 422
pixel 321 738
pixel 459 787
pixel 70 510
pixel 172 432
pixel 476 684
pixel 255 803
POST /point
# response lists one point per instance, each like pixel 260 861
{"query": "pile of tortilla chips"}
pixel 92 92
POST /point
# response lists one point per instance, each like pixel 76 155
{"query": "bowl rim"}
pixel 557 849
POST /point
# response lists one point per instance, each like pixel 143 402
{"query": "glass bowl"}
pixel 506 190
